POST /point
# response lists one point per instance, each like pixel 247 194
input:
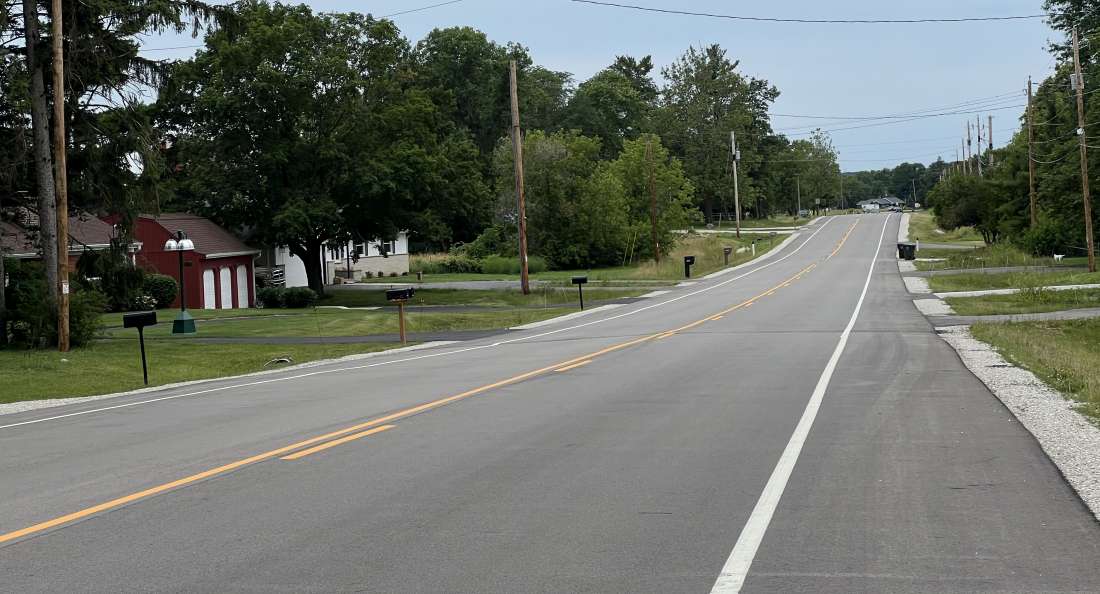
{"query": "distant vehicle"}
pixel 802 214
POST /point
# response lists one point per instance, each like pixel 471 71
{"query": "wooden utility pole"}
pixel 61 184
pixel 989 138
pixel 1031 158
pixel 652 201
pixel 969 149
pixel 798 192
pixel 517 156
pixel 978 129
pixel 913 184
pixel 736 196
pixel 1080 84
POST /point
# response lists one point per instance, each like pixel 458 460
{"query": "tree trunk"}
pixel 310 254
pixel 43 159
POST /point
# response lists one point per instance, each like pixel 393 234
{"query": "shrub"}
pixel 270 297
pixel 162 288
pixel 393 274
pixel 299 297
pixel 461 264
pixel 33 316
pixel 144 303
pixel 494 240
pixel 112 273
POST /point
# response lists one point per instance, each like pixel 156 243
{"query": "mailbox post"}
pixel 580 282
pixel 726 251
pixel 140 320
pixel 689 261
pixel 400 297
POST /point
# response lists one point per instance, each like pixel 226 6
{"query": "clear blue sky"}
pixel 820 69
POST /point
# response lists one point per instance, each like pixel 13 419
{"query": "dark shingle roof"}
pixel 210 239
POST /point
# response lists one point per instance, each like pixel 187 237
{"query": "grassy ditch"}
pixel 994 256
pixel 1026 301
pixel 540 296
pixel 923 225
pixel 1063 354
pixel 1009 280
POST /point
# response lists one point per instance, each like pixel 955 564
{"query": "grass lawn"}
pixel 707 250
pixel 769 222
pixel 539 297
pixel 115 365
pixel 923 225
pixel 335 322
pixel 1009 280
pixel 1028 301
pixel 1064 354
pixel 987 257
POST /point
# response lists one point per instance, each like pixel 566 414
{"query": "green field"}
pixel 922 225
pixel 336 322
pixel 539 297
pixel 115 365
pixel 993 256
pixel 1028 301
pixel 1009 280
pixel 1064 354
pixel 707 250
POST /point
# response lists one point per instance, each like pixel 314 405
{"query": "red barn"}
pixel 218 274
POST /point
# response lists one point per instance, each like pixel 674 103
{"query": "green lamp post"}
pixel 184 323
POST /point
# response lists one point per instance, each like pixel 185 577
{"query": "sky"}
pixel 849 70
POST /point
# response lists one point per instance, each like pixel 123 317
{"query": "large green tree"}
pixel 653 180
pixel 306 128
pixel 705 99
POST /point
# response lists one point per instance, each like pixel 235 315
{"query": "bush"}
pixel 270 297
pixel 162 288
pixel 494 240
pixel 502 265
pixel 33 315
pixel 113 274
pixel 299 297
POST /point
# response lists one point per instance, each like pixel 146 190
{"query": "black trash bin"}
pixel 907 251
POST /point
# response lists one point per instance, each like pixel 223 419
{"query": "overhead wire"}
pixel 811 21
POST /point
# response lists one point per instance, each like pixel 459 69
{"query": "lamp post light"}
pixel 184 323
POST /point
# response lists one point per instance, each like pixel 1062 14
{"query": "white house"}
pixel 376 258
pixel 884 203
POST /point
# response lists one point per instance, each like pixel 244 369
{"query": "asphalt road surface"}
pixel 793 426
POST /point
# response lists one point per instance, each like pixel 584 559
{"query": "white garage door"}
pixel 226 287
pixel 208 301
pixel 242 285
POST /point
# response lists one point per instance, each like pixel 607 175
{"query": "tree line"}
pixel 998 203
pixel 295 128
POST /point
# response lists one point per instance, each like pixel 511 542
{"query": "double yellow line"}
pixel 319 443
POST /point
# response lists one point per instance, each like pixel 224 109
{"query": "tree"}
pixel 817 170
pixel 576 206
pixel 637 71
pixel 609 107
pixel 302 128
pixel 674 193
pixel 704 100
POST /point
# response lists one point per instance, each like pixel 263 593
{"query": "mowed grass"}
pixel 993 256
pixel 1063 354
pixel 1027 301
pixel 115 365
pixel 707 250
pixel 1009 280
pixel 336 322
pixel 539 297
pixel 922 225
pixel 778 221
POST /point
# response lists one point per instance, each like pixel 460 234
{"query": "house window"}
pixel 387 247
pixel 361 249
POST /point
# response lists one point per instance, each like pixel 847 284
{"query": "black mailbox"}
pixel 580 280
pixel 727 250
pixel 689 260
pixel 140 319
pixel 403 294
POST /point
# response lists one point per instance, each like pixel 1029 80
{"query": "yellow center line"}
pixel 336 442
pixel 574 366
pixel 376 422
pixel 843 239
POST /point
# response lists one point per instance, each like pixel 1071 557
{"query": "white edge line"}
pixel 428 356
pixel 736 569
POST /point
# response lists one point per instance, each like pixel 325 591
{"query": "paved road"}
pixel 748 432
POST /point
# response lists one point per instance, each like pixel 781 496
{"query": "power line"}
pixel 811 131
pixel 411 10
pixel 811 21
pixel 922 113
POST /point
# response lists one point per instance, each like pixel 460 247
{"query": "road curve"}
pixel 794 426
